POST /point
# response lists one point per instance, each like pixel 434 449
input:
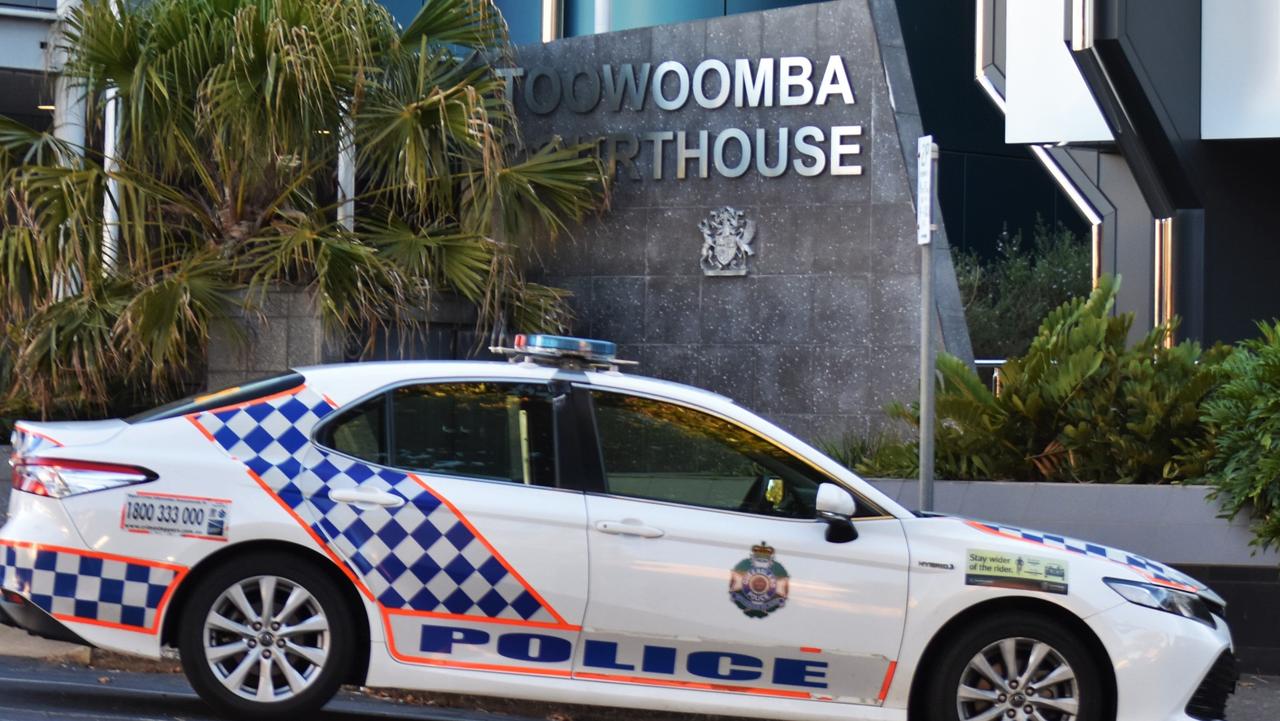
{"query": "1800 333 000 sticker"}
pixel 172 515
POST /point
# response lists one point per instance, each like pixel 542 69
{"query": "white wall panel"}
pixel 1047 100
pixel 20 38
pixel 1240 69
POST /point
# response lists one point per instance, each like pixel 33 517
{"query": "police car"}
pixel 554 530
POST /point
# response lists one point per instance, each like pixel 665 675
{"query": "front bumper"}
pixel 1160 660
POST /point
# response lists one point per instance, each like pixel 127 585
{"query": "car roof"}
pixel 375 374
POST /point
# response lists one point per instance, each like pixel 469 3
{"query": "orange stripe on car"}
pixel 697 685
pixel 311 532
pixel 480 537
pixel 481 619
pixel 888 681
pixel 37 434
pixel 1158 581
pixel 180 573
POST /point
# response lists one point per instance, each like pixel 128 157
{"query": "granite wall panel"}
pixel 822 330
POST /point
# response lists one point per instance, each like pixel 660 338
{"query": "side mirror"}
pixel 835 505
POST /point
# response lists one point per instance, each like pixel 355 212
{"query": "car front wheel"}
pixel 266 637
pixel 1017 666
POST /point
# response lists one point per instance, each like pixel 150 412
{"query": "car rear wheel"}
pixel 1016 666
pixel 266 637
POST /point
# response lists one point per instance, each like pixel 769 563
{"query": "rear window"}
pixel 243 393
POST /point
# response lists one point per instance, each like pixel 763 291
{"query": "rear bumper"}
pixel 54 585
pixel 16 610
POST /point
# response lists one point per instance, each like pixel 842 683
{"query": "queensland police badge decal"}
pixel 759 584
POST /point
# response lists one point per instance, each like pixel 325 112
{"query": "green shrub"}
pixel 1078 406
pixel 1006 297
pixel 851 450
pixel 1244 416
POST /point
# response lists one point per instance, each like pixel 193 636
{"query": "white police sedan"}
pixel 554 530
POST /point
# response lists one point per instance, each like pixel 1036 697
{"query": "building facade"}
pixel 1159 118
pixel 26 93
pixel 761 235
pixel 760 238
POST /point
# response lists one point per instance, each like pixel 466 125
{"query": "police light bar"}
pixel 563 350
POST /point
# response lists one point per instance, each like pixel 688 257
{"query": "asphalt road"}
pixel 39 691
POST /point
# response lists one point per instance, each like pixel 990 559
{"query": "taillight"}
pixel 59 477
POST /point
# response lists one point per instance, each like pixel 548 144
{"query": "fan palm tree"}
pixel 232 114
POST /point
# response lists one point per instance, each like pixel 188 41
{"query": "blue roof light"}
pixel 600 351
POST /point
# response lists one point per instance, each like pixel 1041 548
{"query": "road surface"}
pixel 33 690
pixel 38 691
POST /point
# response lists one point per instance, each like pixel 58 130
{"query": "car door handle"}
pixel 366 497
pixel 623 528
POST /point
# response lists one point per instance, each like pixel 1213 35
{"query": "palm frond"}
pixel 466 23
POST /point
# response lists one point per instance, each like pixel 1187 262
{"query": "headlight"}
pixel 1164 599
pixel 59 478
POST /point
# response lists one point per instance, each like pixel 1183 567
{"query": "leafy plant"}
pixel 1244 417
pixel 233 117
pixel 1080 405
pixel 851 450
pixel 1006 297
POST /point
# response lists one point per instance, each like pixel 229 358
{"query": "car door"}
pixel 709 569
pixel 449 502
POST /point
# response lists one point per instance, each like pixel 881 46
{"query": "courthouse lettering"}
pixel 669 86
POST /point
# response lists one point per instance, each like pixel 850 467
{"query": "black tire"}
pixel 325 679
pixel 953 663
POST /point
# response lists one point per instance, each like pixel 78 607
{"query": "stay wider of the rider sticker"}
pixel 1014 570
pixel 170 515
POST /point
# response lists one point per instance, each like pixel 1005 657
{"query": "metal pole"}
pixel 111 195
pixel 346 173
pixel 603 16
pixel 69 120
pixel 927 164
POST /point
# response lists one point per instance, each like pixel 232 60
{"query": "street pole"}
pixel 926 171
pixel 347 172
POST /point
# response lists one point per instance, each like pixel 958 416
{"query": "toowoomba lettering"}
pixel 785 82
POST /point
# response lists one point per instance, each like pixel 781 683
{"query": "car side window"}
pixel 668 452
pixel 360 432
pixel 493 431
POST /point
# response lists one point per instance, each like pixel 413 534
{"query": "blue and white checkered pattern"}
pixel 420 556
pixel 68 584
pixel 1152 569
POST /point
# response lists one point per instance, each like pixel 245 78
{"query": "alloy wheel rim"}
pixel 266 639
pixel 1018 678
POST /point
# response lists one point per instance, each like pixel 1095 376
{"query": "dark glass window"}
pixel 667 452
pixel 360 432
pixel 524 19
pixel 746 6
pixel 495 431
pixel 243 393
pixel 629 14
pixel 579 17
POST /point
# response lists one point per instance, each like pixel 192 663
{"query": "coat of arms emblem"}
pixel 759 584
pixel 726 242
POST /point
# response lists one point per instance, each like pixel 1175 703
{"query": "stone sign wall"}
pixel 785 117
